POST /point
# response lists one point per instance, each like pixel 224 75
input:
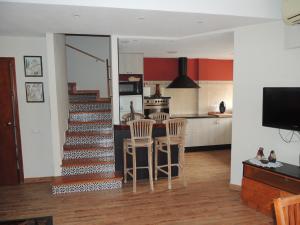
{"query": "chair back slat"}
pixel 159 117
pixel 175 128
pixel 287 210
pixel 141 129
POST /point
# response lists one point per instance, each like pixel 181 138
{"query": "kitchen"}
pixel 207 128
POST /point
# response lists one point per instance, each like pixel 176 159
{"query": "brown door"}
pixel 11 168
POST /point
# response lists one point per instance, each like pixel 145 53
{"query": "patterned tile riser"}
pixel 89 127
pixel 105 155
pixel 102 141
pixel 63 189
pixel 89 107
pixel 86 117
pixel 82 97
pixel 90 169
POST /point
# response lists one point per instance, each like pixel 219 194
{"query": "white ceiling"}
pixel 213 46
pixel 37 19
pixel 179 26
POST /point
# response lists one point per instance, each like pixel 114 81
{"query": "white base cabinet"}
pixel 208 131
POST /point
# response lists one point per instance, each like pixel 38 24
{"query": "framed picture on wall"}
pixel 34 91
pixel 33 66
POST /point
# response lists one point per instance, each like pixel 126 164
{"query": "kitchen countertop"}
pixel 153 97
pixel 199 116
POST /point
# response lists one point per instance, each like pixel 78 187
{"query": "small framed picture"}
pixel 34 91
pixel 33 66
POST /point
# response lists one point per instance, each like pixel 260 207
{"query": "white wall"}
pixel 34 117
pixel 58 89
pixel 260 60
pixel 88 73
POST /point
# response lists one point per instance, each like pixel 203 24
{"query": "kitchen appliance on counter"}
pixel 156 104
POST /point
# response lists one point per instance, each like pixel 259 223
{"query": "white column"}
pixel 115 78
pixel 53 105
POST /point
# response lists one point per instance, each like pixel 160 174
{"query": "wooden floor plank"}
pixel 207 200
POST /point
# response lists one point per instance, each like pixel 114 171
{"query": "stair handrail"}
pixel 97 59
pixel 85 53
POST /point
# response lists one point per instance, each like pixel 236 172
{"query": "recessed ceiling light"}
pixel 172 52
pixel 76 16
pixel 125 41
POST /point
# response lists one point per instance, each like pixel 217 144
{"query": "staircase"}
pixel 88 163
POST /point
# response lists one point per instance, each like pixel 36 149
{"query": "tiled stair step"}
pixel 86 166
pixel 84 183
pixel 88 151
pixel 77 126
pixel 82 97
pixel 97 105
pixel 103 115
pixel 103 139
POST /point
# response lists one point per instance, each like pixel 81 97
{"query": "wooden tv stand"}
pixel 261 185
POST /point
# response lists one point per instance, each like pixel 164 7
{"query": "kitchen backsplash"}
pixel 196 101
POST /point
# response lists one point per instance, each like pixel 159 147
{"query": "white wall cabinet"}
pixel 131 63
pixel 208 131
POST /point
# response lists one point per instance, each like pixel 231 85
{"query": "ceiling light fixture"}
pixel 76 16
pixel 172 52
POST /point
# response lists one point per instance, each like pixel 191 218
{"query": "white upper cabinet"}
pixel 131 63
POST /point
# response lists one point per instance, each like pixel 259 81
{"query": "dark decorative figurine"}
pixel 222 107
pixel 272 156
pixel 131 111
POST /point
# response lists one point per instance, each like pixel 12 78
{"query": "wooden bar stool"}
pixel 175 129
pixel 141 137
pixel 159 117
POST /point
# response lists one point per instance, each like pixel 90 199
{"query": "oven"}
pixel 159 104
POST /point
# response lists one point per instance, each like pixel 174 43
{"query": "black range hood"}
pixel 182 81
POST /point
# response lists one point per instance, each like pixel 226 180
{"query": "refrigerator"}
pixel 125 104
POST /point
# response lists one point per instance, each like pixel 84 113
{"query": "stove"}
pixel 156 104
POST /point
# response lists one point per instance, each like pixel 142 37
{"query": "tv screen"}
pixel 281 107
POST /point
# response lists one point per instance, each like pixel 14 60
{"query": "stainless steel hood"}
pixel 183 81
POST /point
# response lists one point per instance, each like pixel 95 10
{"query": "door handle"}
pixel 9 123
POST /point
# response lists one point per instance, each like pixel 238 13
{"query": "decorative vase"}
pixel 222 107
pixel 157 91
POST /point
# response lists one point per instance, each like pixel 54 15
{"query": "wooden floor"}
pixel 206 200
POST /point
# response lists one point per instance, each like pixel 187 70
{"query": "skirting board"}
pixel 235 187
pixel 208 148
pixel 39 180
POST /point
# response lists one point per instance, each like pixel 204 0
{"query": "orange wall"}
pixel 198 69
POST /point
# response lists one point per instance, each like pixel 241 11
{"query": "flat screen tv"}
pixel 281 107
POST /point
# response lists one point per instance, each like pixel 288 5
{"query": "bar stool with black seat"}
pixel 141 138
pixel 159 117
pixel 175 131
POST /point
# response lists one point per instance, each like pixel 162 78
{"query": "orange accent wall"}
pixel 214 69
pixel 198 69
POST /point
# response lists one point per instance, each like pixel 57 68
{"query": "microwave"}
pixel 130 88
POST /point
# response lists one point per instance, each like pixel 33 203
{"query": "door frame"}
pixel 12 72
